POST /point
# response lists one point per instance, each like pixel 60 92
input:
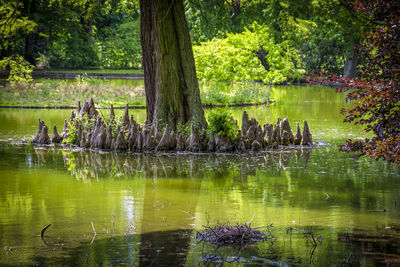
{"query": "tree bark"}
pixel 350 66
pixel 172 91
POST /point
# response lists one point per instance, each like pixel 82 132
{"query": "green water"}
pixel 146 209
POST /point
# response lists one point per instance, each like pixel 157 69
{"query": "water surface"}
pixel 146 208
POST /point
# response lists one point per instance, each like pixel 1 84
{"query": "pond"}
pixel 145 209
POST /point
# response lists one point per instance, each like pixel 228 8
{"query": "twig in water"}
pixel 94 230
pixel 95 234
pixel 312 253
pixel 259 227
pixel 44 230
pixel 199 233
pixel 249 223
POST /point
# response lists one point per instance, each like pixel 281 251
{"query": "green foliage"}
pixel 121 47
pixel 316 35
pixel 324 53
pixel 72 50
pixel 184 129
pixel 210 19
pixel 85 121
pixel 222 123
pixel 71 134
pixel 13 25
pixel 20 70
pixel 235 58
pixel 12 22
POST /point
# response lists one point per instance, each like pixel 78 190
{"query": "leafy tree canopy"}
pixel 13 25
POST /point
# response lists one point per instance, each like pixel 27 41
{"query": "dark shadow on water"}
pixel 168 248
pixel 180 248
pixel 381 247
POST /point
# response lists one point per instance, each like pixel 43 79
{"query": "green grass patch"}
pixel 94 71
pixel 228 93
pixel 53 92
pixel 48 92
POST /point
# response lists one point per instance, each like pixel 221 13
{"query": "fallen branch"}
pixel 44 230
pixel 94 230
pixel 94 233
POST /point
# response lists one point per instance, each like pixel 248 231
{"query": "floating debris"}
pixel 231 235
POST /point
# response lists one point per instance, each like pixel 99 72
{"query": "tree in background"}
pixel 250 55
pixel 316 35
pixel 377 93
pixel 13 27
pixel 93 33
pixel 118 41
pixel 69 34
pixel 215 18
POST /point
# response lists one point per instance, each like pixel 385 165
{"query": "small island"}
pixel 86 128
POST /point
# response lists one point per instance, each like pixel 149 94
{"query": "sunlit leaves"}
pixel 20 69
pixel 12 24
pixel 235 58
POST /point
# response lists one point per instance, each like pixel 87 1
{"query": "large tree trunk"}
pixel 172 91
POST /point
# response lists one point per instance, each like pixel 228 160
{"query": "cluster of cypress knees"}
pixel 130 135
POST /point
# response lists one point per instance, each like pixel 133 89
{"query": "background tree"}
pixel 317 35
pixel 378 93
pixel 172 91
pixel 13 27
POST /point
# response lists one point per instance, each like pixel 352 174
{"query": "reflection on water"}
pixel 86 165
pixel 146 208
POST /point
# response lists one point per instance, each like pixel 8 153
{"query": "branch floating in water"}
pixel 44 230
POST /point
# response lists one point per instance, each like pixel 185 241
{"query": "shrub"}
pixel 222 123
